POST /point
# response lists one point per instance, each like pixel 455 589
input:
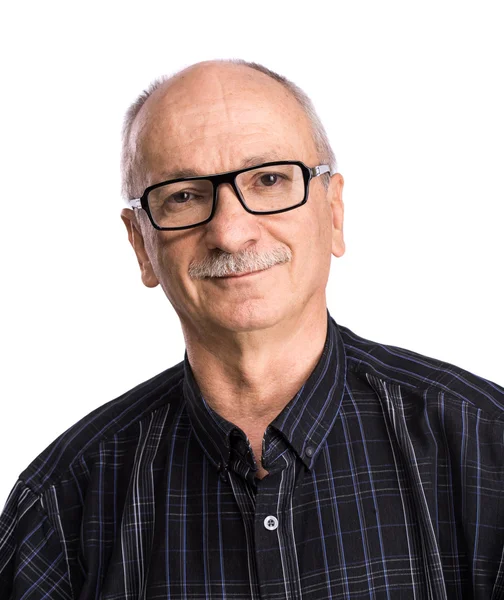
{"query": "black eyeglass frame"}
pixel 229 177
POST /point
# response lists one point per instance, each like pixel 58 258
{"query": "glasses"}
pixel 266 189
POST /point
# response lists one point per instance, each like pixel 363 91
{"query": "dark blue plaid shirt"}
pixel 385 481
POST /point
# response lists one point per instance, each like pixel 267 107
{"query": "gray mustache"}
pixel 223 264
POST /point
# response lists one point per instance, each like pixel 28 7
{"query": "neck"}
pixel 248 378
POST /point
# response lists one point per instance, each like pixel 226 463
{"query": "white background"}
pixel 412 98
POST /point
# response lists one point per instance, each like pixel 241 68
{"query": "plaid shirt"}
pixel 385 481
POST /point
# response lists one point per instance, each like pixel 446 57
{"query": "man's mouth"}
pixel 244 274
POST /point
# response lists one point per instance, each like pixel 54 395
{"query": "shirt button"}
pixel 271 523
pixel 242 447
pixel 309 451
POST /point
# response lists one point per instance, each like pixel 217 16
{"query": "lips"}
pixel 238 275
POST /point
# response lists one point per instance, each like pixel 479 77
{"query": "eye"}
pixel 269 179
pixel 181 197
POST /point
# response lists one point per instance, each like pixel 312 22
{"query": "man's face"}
pixel 218 118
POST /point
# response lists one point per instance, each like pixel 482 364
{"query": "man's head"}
pixel 212 118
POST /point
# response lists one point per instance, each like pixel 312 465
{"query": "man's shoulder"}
pixel 413 370
pixel 117 417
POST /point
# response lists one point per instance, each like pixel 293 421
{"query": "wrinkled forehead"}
pixel 214 119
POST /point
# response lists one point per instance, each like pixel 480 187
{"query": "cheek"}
pixel 315 230
pixel 171 267
pixel 317 247
pixel 325 227
pixel 308 236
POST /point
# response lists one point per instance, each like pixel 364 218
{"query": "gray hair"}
pixel 129 166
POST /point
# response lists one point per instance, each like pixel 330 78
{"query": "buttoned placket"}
pixel 269 528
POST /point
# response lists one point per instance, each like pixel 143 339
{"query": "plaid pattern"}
pixel 385 478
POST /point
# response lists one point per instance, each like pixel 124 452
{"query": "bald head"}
pixel 178 110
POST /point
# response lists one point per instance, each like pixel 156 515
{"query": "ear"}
pixel 137 241
pixel 335 196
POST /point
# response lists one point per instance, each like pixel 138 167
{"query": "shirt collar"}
pixel 211 430
pixel 304 423
pixel 309 417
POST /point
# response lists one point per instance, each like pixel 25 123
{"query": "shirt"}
pixel 385 481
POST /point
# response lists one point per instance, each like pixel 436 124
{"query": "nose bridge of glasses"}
pixel 229 180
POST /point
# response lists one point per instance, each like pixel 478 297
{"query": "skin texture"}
pixel 251 341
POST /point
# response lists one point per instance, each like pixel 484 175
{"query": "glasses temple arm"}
pixel 134 203
pixel 320 170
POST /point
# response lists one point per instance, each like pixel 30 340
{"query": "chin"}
pixel 249 317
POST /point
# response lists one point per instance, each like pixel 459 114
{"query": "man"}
pixel 286 457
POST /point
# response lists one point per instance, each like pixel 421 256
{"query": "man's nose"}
pixel 232 228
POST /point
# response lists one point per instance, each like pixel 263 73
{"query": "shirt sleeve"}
pixel 32 559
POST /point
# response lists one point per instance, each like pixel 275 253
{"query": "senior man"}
pixel 285 457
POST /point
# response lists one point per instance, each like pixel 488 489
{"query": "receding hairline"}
pixel 129 166
pixel 161 86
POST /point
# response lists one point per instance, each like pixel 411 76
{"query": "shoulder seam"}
pixel 55 475
pixel 355 365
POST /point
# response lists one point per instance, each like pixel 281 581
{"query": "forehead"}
pixel 212 119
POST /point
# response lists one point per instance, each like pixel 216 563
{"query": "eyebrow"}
pixel 248 162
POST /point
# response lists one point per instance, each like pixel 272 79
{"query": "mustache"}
pixel 222 264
